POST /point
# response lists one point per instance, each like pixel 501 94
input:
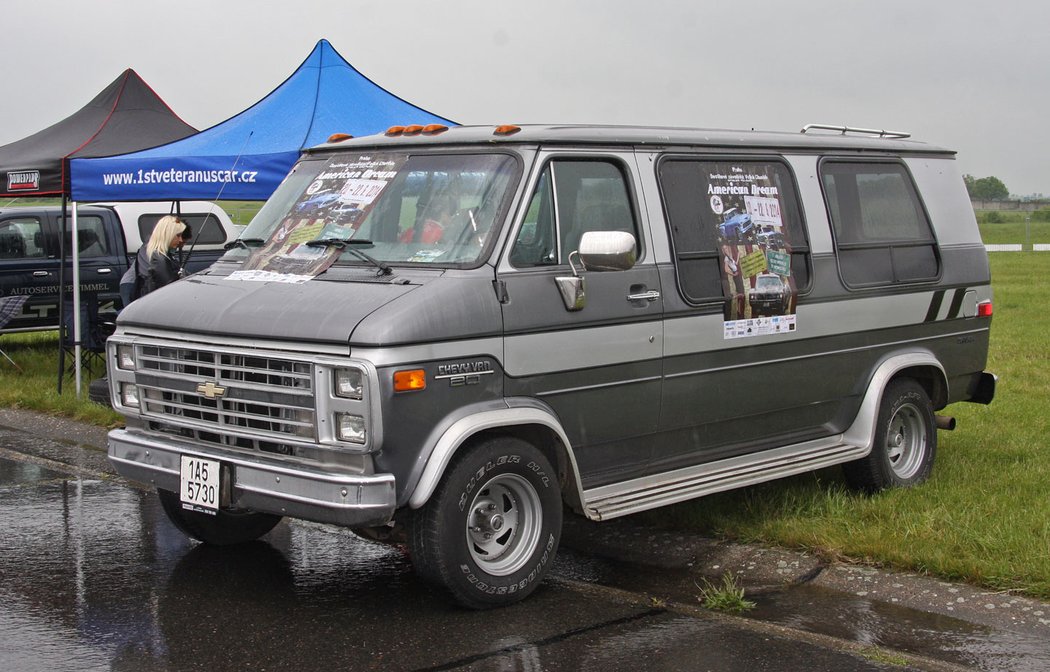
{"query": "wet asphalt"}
pixel 93 577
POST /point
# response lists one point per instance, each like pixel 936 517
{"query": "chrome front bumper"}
pixel 262 484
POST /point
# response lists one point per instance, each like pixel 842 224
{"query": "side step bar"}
pixel 649 492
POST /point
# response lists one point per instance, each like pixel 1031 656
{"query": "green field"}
pixel 984 517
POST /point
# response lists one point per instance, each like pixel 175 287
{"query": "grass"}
pixel 724 596
pixel 35 386
pixel 1015 230
pixel 241 212
pixel 984 516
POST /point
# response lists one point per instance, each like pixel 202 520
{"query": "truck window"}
pixel 207 229
pixel 91 236
pixel 726 216
pixel 21 238
pixel 571 198
pixel 881 230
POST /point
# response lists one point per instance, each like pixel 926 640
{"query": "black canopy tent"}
pixel 126 116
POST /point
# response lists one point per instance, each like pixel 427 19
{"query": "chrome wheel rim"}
pixel 906 441
pixel 503 524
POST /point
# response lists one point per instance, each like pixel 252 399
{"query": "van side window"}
pixel 21 238
pixel 206 227
pixel 881 230
pixel 571 198
pixel 721 210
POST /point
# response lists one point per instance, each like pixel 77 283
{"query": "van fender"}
pixel 862 432
pixel 518 411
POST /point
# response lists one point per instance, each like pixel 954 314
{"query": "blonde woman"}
pixel 156 264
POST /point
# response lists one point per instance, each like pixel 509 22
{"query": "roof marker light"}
pixel 395 130
pixel 414 129
pixel 434 129
pixel 506 129
pixel 339 137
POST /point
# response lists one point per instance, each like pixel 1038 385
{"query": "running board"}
pixel 649 492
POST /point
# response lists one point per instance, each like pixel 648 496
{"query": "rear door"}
pixel 599 367
pixel 28 267
pixel 102 262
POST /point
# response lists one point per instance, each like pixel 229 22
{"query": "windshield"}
pixel 396 208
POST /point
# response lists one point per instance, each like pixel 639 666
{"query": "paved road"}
pixel 94 577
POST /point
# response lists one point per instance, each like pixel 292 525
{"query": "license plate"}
pixel 199 484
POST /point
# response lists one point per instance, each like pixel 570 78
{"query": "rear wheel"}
pixel 225 528
pixel 905 441
pixel 491 530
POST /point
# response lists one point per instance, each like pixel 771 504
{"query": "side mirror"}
pixel 599 251
pixel 608 251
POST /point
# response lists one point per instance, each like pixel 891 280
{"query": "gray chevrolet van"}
pixel 443 337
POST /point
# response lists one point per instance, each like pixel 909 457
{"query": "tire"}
pixel 225 528
pixel 98 391
pixel 905 443
pixel 490 532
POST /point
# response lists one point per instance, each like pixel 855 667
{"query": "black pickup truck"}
pixel 109 235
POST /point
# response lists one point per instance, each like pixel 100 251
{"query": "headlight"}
pixel 349 383
pixel 126 357
pixel 129 395
pixel 351 428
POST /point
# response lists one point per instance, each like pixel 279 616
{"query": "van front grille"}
pixel 246 400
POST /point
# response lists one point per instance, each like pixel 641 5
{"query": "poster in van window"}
pixel 746 210
pixel 333 205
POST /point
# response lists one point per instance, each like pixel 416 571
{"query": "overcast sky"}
pixel 970 76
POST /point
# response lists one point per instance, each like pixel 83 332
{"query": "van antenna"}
pixel 215 201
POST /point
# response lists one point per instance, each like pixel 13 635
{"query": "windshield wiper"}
pixel 246 243
pixel 350 245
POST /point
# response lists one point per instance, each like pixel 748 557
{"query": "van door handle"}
pixel 40 274
pixel 104 271
pixel 651 295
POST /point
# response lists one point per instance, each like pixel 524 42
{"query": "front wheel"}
pixel 905 441
pixel 490 532
pixel 225 528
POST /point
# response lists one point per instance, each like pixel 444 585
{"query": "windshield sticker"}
pixel 746 208
pixel 268 276
pixel 312 234
pixel 426 256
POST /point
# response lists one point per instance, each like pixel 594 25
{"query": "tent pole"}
pixel 62 293
pixel 76 299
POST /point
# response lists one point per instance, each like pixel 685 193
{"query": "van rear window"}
pixel 881 230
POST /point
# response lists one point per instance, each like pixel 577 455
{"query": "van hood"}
pixel 313 311
pixel 353 307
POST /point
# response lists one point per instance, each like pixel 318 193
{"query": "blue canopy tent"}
pixel 247 156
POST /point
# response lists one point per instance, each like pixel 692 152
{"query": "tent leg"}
pixel 62 295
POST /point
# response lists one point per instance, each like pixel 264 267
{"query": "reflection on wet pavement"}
pixel 840 615
pixel 94 577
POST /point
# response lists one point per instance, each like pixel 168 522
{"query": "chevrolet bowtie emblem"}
pixel 211 390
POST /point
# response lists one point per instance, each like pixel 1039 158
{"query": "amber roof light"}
pixel 506 129
pixel 339 137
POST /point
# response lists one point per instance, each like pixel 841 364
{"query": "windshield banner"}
pixel 331 208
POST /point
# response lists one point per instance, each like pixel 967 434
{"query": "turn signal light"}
pixel 506 129
pixel 339 137
pixel 984 309
pixel 410 381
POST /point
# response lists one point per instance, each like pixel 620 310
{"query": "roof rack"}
pixel 850 129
